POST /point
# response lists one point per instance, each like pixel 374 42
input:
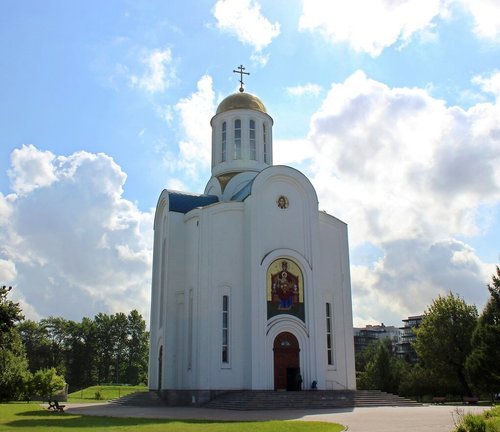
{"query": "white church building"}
pixel 251 284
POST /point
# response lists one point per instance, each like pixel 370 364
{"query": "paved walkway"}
pixel 381 419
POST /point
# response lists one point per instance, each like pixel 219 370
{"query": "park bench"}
pixel 54 406
pixel 438 400
pixel 470 400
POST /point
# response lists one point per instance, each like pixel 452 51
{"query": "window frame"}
pixel 237 139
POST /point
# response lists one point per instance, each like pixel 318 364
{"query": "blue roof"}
pixel 244 192
pixel 183 202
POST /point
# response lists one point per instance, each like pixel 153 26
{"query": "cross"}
pixel 240 71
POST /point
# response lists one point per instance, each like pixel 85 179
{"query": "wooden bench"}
pixel 470 400
pixel 54 406
pixel 438 400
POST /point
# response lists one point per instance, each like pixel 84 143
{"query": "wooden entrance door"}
pixel 286 362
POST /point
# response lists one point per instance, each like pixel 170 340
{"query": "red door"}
pixel 286 362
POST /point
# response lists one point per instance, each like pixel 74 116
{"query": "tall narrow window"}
pixel 237 139
pixel 224 143
pixel 329 347
pixel 190 330
pixel 163 271
pixel 253 150
pixel 264 138
pixel 225 329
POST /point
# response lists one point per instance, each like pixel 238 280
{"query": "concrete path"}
pixel 381 419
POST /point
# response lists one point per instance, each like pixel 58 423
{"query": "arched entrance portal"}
pixel 286 362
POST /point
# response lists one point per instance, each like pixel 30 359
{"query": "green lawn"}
pixel 32 417
pixel 107 392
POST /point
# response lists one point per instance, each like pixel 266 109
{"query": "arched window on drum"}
pixel 253 148
pixel 223 143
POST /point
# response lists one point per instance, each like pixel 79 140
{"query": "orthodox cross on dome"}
pixel 240 71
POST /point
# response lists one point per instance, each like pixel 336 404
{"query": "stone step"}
pixel 270 400
pixel 148 398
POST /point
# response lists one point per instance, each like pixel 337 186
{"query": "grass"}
pixel 106 392
pixel 32 417
pixel 493 418
pixel 488 421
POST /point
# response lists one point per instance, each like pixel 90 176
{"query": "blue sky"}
pixel 391 108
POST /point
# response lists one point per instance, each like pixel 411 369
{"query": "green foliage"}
pixel 444 339
pixel 10 314
pixel 106 349
pixel 382 370
pixel 46 383
pixel 483 363
pixel 13 363
pixel 488 421
pixel 14 372
pixel 471 423
pixel 419 382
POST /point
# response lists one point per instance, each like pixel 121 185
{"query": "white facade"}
pixel 251 283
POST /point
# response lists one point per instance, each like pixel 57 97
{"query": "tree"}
pixel 80 354
pixel 13 363
pixel 443 339
pixel 14 372
pixel 10 314
pixel 46 383
pixel 36 343
pixel 383 370
pixel 106 349
pixel 419 382
pixel 483 363
pixel 137 349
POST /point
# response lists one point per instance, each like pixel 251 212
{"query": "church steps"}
pixel 276 400
pixel 270 400
pixel 149 398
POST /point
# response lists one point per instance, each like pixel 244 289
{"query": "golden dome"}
pixel 241 101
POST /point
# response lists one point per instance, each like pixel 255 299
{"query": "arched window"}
pixel 224 143
pixel 253 149
pixel 264 139
pixel 237 139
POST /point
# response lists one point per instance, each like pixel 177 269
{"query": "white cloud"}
pixel 490 84
pixel 159 72
pixel 291 152
pixel 243 19
pixel 195 145
pixel 74 246
pixel 411 274
pixel 31 169
pixel 486 15
pixel 306 89
pixel 408 174
pixel 7 271
pixel 402 148
pixel 370 26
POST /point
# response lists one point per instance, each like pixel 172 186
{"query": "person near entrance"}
pixel 298 381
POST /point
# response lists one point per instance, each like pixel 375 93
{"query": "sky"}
pixel 390 107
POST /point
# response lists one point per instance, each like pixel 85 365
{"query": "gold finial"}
pixel 240 71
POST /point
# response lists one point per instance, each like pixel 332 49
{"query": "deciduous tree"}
pixel 483 363
pixel 46 383
pixel 13 363
pixel 444 339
